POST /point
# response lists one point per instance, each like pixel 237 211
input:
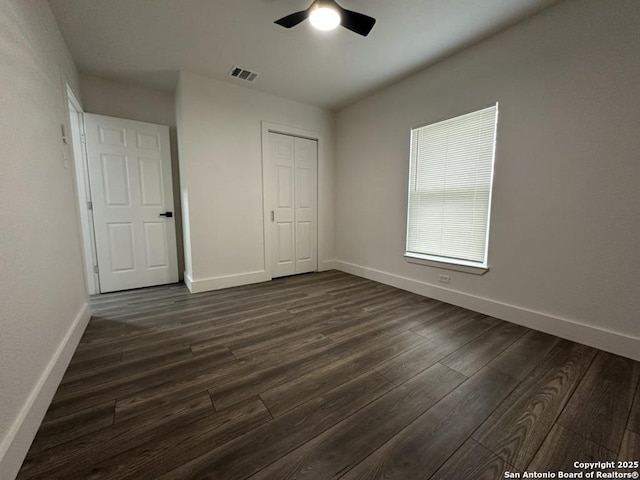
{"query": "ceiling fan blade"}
pixel 357 22
pixel 293 19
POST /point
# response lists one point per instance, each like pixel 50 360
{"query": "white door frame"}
pixel 83 191
pixel 267 128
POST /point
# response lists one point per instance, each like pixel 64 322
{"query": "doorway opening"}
pixel 125 192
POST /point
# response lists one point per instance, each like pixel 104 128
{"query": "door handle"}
pixel 167 214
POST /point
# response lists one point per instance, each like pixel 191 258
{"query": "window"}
pixel 450 179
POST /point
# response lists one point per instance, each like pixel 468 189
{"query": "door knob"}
pixel 167 214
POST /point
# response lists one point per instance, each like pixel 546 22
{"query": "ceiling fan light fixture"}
pixel 327 15
pixel 324 18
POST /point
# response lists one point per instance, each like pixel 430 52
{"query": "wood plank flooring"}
pixel 324 376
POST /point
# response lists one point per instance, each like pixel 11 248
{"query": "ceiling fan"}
pixel 327 15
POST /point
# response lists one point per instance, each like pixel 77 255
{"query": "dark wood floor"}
pixel 325 376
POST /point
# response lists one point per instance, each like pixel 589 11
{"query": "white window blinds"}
pixel 450 177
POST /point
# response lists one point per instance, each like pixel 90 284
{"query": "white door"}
pixel 293 164
pixel 131 191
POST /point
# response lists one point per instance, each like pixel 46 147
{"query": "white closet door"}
pixel 131 190
pixel 294 204
pixel 283 211
pixel 306 204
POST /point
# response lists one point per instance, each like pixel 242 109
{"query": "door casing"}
pixel 79 153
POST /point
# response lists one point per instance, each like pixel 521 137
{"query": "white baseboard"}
pixel 16 443
pixel 197 285
pixel 226 281
pixel 608 340
pixel 188 281
pixel 327 265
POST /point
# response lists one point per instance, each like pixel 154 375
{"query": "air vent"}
pixel 243 74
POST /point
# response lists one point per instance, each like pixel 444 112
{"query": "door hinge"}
pixel 83 138
pixel 95 269
pixel 90 205
pixel 273 216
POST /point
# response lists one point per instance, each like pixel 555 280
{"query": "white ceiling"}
pixel 148 41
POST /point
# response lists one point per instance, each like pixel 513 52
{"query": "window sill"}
pixel 447 265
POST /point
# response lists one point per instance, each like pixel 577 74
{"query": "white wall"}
pixel 42 290
pixel 564 247
pixel 116 99
pixel 220 153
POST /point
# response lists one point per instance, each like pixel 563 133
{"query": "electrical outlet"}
pixel 444 278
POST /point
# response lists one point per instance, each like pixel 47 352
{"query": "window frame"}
pixel 451 263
